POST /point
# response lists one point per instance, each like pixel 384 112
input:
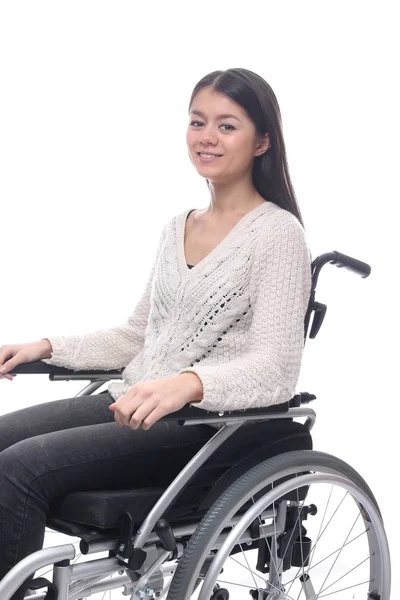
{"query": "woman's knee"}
pixel 10 430
pixel 21 424
pixel 24 469
pixel 20 461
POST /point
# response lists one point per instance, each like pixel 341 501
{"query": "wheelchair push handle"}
pixel 352 264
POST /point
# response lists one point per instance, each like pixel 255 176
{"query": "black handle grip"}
pixel 352 264
pixel 164 531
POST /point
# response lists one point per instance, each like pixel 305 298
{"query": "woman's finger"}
pixel 7 376
pixel 124 408
pixel 140 413
pixel 117 417
pixel 153 417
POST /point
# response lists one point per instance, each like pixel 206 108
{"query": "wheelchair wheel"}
pixel 301 525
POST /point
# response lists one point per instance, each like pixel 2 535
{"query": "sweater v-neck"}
pixel 238 227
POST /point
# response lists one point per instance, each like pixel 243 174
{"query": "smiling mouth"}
pixel 206 154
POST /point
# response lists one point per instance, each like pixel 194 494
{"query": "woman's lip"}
pixel 204 159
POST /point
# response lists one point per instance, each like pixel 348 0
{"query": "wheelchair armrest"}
pixel 191 413
pixel 54 372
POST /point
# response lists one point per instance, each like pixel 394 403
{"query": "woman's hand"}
pixel 12 355
pixel 146 402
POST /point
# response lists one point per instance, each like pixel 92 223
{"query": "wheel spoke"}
pixel 300 529
pixel 346 588
pixel 337 549
pixel 294 529
pixel 76 557
pixel 319 531
pixel 266 539
pixel 247 562
pixel 274 542
pixel 299 594
pixel 291 535
pixel 340 551
pixel 330 520
pixel 339 578
pixel 248 587
pixel 275 574
pixel 320 534
pixel 326 557
pixel 235 560
pixel 253 573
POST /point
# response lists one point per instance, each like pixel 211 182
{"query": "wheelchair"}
pixel 256 513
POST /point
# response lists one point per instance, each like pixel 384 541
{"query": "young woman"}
pixel 220 324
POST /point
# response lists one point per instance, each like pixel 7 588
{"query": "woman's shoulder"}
pixel 280 222
pixel 170 223
pixel 280 230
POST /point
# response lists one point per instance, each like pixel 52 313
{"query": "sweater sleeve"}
pixel 111 348
pixel 267 371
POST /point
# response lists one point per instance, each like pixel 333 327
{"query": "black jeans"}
pixel 51 449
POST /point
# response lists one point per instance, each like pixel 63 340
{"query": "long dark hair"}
pixel 270 173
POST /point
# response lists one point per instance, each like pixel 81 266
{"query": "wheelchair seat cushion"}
pixel 101 508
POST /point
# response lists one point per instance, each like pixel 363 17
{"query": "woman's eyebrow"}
pixel 225 116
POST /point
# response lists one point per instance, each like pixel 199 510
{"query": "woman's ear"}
pixel 263 145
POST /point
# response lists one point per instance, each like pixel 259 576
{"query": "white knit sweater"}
pixel 236 319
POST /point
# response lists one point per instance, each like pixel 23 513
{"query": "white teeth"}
pixel 208 155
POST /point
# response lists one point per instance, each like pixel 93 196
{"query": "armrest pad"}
pixel 39 367
pixel 191 413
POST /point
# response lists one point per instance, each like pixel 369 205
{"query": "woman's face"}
pixel 219 126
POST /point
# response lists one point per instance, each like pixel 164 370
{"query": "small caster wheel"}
pixel 219 593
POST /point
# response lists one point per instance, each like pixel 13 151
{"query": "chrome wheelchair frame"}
pixel 143 556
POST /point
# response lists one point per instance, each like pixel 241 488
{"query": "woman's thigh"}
pixel 54 416
pixel 75 444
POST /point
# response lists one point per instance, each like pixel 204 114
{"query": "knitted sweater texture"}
pixel 236 318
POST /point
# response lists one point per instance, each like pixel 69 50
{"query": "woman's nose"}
pixel 208 136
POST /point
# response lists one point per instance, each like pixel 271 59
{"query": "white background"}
pixel 93 116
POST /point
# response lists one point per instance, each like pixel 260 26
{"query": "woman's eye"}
pixel 222 125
